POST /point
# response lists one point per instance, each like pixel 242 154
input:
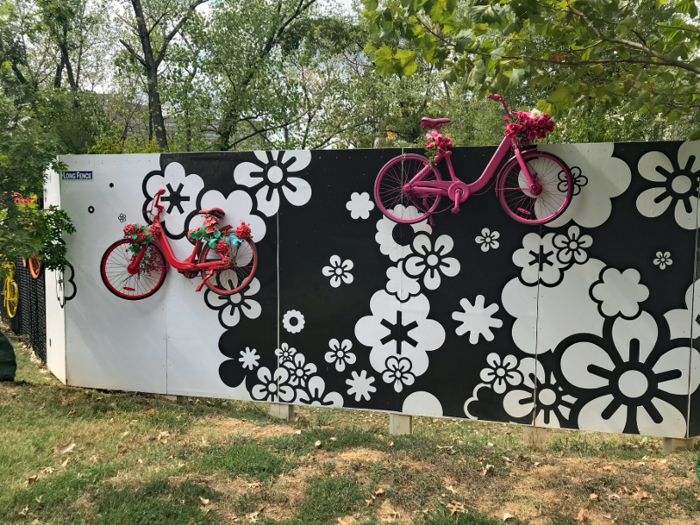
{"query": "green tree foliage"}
pixel 636 55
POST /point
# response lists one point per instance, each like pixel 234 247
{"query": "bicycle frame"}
pixel 459 191
pixel 188 264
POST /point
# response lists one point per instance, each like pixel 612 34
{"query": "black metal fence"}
pixel 31 311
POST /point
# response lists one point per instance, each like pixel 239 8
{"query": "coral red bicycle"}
pixel 534 187
pixel 135 267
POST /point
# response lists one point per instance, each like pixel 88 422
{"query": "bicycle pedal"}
pixel 455 210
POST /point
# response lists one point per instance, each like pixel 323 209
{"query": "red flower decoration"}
pixel 156 230
pixel 222 248
pixel 243 232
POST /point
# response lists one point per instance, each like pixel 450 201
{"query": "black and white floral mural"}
pixel 589 322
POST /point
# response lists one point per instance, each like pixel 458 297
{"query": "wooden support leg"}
pixel 672 445
pixel 280 411
pixel 400 424
pixel 535 437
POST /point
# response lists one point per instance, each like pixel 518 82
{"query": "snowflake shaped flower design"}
pixel 360 385
pixel 293 321
pixel 359 205
pixel 663 259
pixel 285 352
pixel 340 354
pixel 429 260
pixel 274 171
pixel 477 320
pixel 501 372
pixel 249 358
pixel 619 293
pixel 572 246
pixel 299 369
pixel 231 307
pixel 487 240
pixel 675 185
pixel 398 371
pixel 338 271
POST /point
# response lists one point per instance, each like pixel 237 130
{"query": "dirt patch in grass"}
pixel 226 426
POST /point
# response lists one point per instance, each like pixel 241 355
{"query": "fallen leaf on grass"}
pixel 72 412
pixel 334 439
pixel 451 489
pixel 68 448
pixel 508 516
pixel 32 479
pixel 456 507
pixel 593 497
pixel 347 520
pixel 24 510
pixel 698 497
pixel 48 470
pixel 65 463
pixel 449 449
pixel 298 432
pixel 369 502
pixel 378 492
pixel 489 444
pixel 67 401
pixel 389 443
pixel 580 515
pixel 488 468
pixel 612 497
pixel 203 501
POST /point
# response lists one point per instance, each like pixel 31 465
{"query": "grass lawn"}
pixel 78 456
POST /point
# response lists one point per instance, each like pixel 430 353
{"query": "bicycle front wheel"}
pixel 244 262
pixel 514 190
pixel 34 266
pixel 144 283
pixel 389 189
pixel 11 297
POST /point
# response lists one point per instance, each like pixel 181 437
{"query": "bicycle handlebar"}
pixel 505 102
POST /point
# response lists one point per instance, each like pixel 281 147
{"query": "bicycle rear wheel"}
pixel 144 283
pixel 514 189
pixel 244 262
pixel 34 266
pixel 389 189
pixel 11 297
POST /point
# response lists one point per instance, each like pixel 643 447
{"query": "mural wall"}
pixel 588 322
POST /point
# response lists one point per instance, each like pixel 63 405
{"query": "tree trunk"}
pixel 154 105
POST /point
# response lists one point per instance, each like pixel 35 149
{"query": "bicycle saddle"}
pixel 433 123
pixel 216 212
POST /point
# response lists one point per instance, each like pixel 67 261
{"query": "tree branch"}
pixel 133 52
pixel 167 38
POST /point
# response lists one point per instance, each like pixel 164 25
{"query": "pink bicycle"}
pixel 534 187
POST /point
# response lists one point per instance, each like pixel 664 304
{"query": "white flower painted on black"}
pixel 360 385
pixel 274 171
pixel 428 261
pixel 315 394
pixel 631 380
pixel 572 246
pixel 538 391
pixel 360 204
pixel 293 321
pixel 231 307
pixel 398 371
pixel 179 199
pixel 273 386
pixel 299 369
pixel 338 271
pixel 285 352
pixel 501 372
pixel 401 285
pixel 619 293
pixel 477 320
pixel 676 185
pixel 385 232
pixel 663 259
pixel 340 354
pixel 249 358
pixel 487 239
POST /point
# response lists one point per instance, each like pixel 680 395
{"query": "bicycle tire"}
pixel 115 276
pixel 389 188
pixel 34 266
pixel 520 204
pixel 11 297
pixel 237 279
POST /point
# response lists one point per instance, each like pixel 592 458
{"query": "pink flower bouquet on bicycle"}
pixel 533 187
pixel 135 267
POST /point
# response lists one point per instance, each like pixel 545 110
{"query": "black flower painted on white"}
pixel 572 246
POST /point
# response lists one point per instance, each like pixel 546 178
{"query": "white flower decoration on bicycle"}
pixel 179 199
pixel 399 329
pixel 676 185
pixel 429 260
pixel 385 232
pixel 273 172
pixel 231 307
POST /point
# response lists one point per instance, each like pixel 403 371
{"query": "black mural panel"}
pixel 581 323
